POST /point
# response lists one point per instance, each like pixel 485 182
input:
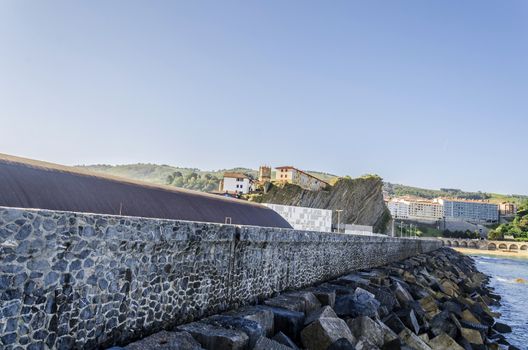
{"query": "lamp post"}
pixel 339 219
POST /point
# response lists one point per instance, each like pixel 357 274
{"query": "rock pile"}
pixel 431 301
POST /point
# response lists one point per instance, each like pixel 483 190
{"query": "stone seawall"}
pixel 72 280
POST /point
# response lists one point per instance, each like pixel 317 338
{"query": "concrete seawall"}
pixel 71 280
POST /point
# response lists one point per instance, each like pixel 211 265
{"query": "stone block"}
pixel 408 317
pixel 469 317
pixel 325 311
pixel 322 333
pixel 287 321
pixel 283 339
pixel 402 294
pixel 429 305
pixel 394 323
pixel 413 341
pixel 502 328
pixel 342 344
pixel 166 341
pixel 361 303
pixel 472 336
pixel 365 328
pixel 268 344
pixel 212 337
pixel 325 297
pixel 262 316
pixel 251 328
pixel 311 303
pixel 444 342
pixel 286 302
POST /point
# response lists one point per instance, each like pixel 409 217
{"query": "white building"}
pixel 415 209
pixel 399 208
pixel 301 218
pixel 421 209
pixel 234 183
pixel 473 211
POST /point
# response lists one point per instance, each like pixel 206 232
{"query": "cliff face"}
pixel 360 199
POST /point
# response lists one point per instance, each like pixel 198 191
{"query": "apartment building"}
pixel 426 210
pixel 473 211
pixel 399 208
pixel 415 209
pixel 298 177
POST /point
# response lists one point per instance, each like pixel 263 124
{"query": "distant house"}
pixel 234 183
pixel 298 177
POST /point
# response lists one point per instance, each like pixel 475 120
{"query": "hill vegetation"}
pixel 518 228
pixel 189 178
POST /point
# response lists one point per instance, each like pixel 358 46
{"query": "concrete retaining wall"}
pixel 71 280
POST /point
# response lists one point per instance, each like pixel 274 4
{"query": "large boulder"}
pixel 311 303
pixel 212 337
pixel 322 333
pixel 166 341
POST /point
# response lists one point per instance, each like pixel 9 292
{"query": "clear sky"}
pixel 425 93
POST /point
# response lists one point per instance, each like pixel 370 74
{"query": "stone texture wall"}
pixel 72 280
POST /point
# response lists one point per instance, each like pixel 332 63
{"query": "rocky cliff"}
pixel 361 200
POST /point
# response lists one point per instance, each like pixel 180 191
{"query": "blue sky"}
pixel 426 93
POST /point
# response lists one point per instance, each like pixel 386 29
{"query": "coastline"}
pixel 501 253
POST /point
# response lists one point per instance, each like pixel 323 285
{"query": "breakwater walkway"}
pixel 428 302
pixel 86 281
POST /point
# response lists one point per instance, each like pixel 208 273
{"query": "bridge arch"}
pixel 492 246
pixel 464 244
pixel 503 246
pixel 524 247
pixel 514 247
pixel 449 243
pixel 456 244
pixel 473 245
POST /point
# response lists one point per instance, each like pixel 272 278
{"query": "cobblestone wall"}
pixel 71 280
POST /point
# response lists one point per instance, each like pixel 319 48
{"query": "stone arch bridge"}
pixel 513 246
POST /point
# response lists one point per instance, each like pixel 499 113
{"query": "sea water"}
pixel 509 278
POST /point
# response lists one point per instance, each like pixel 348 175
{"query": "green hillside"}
pixel 189 178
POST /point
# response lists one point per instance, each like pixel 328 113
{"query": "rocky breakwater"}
pixel 431 301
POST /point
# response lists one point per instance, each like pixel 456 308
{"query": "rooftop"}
pixel 26 183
